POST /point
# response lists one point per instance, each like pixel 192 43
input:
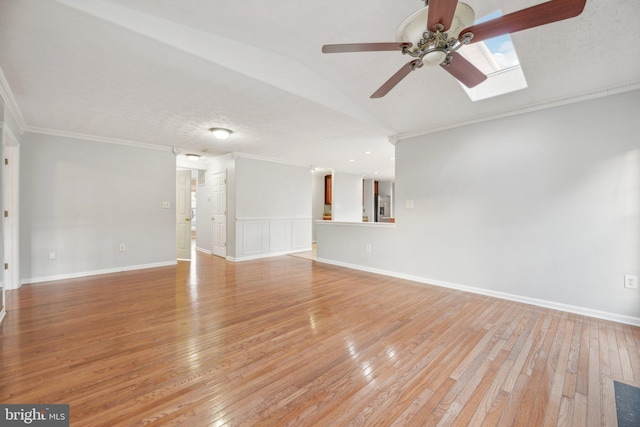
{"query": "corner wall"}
pixel 79 200
pixel 272 208
pixel 542 207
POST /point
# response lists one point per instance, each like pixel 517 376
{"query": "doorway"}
pixel 201 202
pixel 219 214
pixel 183 215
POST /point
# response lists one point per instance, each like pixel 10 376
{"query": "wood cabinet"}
pixel 327 189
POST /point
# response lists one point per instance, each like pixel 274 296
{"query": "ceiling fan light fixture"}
pixel 432 36
pixel 434 58
pixel 220 133
pixel 193 157
pixel 412 30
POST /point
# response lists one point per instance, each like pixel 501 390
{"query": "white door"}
pixel 219 213
pixel 183 215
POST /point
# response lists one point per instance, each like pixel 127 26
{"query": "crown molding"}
pixel 226 156
pixel 106 140
pixel 268 159
pixel 10 139
pixel 10 102
pixel 598 93
pixel 14 110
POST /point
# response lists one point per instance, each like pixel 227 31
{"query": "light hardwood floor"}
pixel 288 341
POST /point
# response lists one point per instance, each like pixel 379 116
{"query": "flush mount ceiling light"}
pixel 220 133
pixel 193 157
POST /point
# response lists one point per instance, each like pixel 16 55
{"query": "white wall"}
pixel 368 200
pixel 272 189
pixel 272 208
pixel 542 207
pixel 346 196
pixel 317 200
pixel 82 199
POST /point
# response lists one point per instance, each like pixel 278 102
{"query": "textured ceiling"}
pixel 162 72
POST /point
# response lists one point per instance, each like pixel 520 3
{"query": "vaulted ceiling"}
pixel 162 72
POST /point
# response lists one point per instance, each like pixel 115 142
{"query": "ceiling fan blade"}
pixel 396 78
pixel 464 71
pixel 441 11
pixel 364 47
pixel 534 16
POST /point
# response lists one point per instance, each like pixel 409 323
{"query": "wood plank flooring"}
pixel 289 342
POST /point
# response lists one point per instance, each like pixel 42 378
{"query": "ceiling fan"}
pixel 433 34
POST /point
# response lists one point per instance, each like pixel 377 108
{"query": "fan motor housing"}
pixel 415 25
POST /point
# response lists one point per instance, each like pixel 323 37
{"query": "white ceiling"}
pixel 162 72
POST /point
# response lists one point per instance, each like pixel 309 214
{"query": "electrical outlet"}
pixel 630 281
pixel 52 255
pixel 122 247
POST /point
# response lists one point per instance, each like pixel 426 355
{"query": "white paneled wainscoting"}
pixel 264 237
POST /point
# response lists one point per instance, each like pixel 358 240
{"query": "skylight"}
pixel 497 59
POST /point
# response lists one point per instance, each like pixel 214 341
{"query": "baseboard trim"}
pixel 267 255
pixel 630 320
pixel 204 251
pixel 95 272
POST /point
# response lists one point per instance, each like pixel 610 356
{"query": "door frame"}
pixel 224 223
pixel 189 219
pixel 10 193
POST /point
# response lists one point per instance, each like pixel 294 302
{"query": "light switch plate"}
pixel 166 205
